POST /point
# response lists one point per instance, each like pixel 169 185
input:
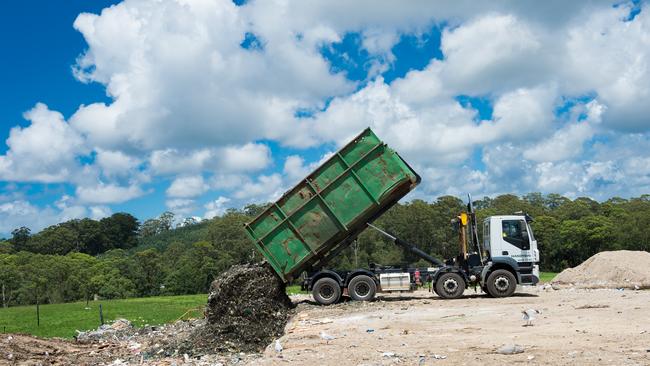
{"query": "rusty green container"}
pixel 312 222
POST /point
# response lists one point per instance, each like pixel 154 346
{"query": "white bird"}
pixel 326 337
pixel 278 346
pixel 529 316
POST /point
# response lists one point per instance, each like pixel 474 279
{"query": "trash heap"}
pixel 615 269
pixel 247 309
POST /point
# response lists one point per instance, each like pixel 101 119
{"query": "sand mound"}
pixel 617 269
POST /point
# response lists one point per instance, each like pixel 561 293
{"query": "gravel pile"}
pixel 615 269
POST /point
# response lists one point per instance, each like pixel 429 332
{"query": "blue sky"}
pixel 195 107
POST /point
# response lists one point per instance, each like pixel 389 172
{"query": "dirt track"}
pixel 581 327
pixel 576 327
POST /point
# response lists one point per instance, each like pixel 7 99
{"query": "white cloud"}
pixel 246 158
pixel 181 206
pixel 216 208
pixel 20 212
pixel 189 104
pixel 99 212
pixel 116 163
pixel 491 54
pixel 190 186
pixel 228 159
pixel 266 188
pixel 45 151
pixel 103 193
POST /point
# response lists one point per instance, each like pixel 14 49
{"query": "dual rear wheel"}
pixel 327 291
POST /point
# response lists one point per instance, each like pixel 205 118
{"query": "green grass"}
pixel 61 320
pixel 294 290
pixel 545 277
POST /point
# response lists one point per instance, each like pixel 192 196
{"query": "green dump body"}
pixel 327 210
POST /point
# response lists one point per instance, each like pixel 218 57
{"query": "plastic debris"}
pixel 278 346
pixel 510 349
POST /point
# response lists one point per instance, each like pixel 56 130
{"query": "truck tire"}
pixel 450 285
pixel 362 288
pixel 501 283
pixel 326 291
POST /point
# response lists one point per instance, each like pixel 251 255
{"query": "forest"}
pixel 119 257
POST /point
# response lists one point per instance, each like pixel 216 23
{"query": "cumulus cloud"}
pixel 190 186
pixel 190 102
pixel 116 163
pixel 20 212
pixel 45 151
pixel 108 193
pixel 181 206
pixel 216 208
pixel 265 188
pixel 228 159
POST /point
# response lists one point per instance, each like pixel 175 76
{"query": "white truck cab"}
pixel 509 239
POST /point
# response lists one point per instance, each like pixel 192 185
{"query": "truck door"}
pixel 515 240
pixel 515 233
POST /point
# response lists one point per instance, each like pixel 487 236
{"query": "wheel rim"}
pixel 362 289
pixel 326 292
pixel 450 285
pixel 502 283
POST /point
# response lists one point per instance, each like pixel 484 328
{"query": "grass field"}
pixel 61 320
pixel 545 277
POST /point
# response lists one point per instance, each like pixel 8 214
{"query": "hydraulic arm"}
pixel 409 247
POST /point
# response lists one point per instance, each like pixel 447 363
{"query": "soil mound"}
pixel 616 269
pixel 247 308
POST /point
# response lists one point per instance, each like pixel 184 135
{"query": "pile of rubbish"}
pixel 615 269
pixel 247 309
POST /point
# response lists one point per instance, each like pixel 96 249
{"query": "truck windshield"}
pixel 530 231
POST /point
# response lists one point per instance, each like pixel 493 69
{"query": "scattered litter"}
pixel 278 346
pixel 439 357
pixel 530 358
pixel 388 354
pixel 572 354
pixel 588 306
pixel 369 330
pixel 510 349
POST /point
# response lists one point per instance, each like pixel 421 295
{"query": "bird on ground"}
pixel 326 337
pixel 278 346
pixel 529 315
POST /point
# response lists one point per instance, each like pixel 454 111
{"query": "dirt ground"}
pixel 581 327
pixel 576 327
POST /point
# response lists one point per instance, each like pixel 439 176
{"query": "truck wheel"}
pixel 362 288
pixel 450 285
pixel 501 283
pixel 326 291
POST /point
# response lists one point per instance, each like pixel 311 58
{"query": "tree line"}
pixel 118 257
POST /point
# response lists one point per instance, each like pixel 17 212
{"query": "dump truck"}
pixel 324 213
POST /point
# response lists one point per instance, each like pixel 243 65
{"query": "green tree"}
pixel 120 231
pixel 20 237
